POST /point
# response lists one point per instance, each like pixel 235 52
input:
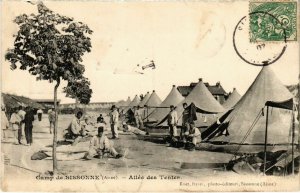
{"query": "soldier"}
pixel 51 117
pixel 138 118
pixel 194 134
pixel 29 118
pixel 75 128
pixel 172 121
pixel 99 145
pixel 114 119
pixel 4 123
pixel 15 121
pixel 128 128
pixel 185 120
pixel 40 114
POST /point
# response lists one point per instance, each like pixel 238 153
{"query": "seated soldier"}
pixel 99 145
pixel 74 130
pixel 86 126
pixel 194 134
pixel 101 123
pixel 101 118
pixel 128 128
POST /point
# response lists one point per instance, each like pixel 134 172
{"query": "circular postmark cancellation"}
pixel 260 38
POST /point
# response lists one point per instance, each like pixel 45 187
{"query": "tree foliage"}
pixel 50 46
pixel 80 90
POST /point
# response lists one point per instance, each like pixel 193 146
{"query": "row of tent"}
pixel 238 118
pixel 157 110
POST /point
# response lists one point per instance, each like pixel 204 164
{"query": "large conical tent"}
pixel 244 125
pixel 204 102
pixel 173 98
pixel 233 98
pixel 134 102
pixel 120 103
pixel 153 102
pixel 127 102
pixel 145 99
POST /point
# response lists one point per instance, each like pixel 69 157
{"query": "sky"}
pixel 186 40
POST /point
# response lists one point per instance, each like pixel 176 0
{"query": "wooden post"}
pixel 266 141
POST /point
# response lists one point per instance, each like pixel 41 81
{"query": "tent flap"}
pixel 287 104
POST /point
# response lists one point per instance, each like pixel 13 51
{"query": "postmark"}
pixel 279 24
pixel 257 53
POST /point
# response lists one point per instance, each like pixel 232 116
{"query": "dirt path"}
pixel 140 156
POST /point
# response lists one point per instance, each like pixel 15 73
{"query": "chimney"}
pixel 153 90
pixel 174 85
pixel 234 88
pixel 218 84
pixel 200 79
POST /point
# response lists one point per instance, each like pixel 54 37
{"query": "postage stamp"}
pixel 273 21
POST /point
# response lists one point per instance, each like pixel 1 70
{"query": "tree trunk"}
pixel 55 128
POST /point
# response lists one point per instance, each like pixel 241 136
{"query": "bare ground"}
pixel 140 158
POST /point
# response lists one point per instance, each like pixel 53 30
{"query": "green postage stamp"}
pixel 273 21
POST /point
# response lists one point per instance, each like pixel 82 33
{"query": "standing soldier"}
pixel 21 114
pixel 40 113
pixel 172 121
pixel 4 123
pixel 29 118
pixel 114 119
pixel 185 121
pixel 15 121
pixel 51 117
pixel 138 118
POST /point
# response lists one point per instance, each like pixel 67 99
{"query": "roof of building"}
pixel 45 100
pixel 12 101
pixel 214 89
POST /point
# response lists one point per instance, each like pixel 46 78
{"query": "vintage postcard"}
pixel 150 96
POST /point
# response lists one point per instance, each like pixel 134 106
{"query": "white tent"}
pixel 153 102
pixel 173 98
pixel 233 98
pixel 247 121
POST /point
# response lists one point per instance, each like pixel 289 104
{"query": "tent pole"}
pixel 147 114
pixel 266 138
pixel 293 136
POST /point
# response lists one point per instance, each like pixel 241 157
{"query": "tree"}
pixel 79 90
pixel 50 46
